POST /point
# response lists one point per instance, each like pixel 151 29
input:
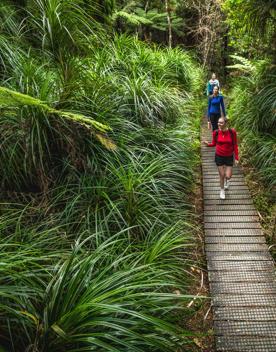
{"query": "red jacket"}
pixel 224 144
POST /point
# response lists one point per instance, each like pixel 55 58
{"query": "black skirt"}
pixel 224 160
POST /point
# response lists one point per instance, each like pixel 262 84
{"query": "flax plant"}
pixel 254 115
pixel 67 294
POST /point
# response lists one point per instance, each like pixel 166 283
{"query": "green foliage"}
pixel 94 242
pixel 254 114
pixel 148 17
pixel 10 99
pixel 127 79
pixel 244 65
pixel 252 26
pixel 131 19
pixel 89 298
pixel 59 25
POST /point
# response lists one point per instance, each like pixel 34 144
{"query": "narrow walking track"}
pixel 240 268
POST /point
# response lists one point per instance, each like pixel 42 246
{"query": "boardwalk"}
pixel 240 268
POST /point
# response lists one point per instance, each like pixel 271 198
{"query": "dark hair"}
pixel 224 118
pixel 214 88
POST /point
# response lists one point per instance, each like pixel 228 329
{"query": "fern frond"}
pixel 131 18
pixel 11 99
pixel 245 65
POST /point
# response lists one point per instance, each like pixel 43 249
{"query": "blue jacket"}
pixel 214 104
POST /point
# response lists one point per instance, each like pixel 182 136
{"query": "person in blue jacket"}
pixel 216 108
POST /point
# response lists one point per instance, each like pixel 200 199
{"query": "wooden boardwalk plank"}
pixel 233 256
pixel 233 232
pixel 251 314
pixel 222 207
pixel 229 195
pixel 225 266
pixel 211 167
pixel 241 276
pixel 236 247
pixel 213 174
pixel 230 218
pixel 213 187
pixel 228 201
pixel 245 344
pixel 252 300
pixel 234 239
pixel 211 177
pixel 242 328
pixel 226 212
pixel 260 288
pixel 232 225
pixel 215 183
pixel 234 182
pixel 232 190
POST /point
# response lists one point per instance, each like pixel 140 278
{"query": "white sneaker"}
pixel 222 194
pixel 226 184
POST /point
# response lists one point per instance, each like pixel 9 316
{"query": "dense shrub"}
pixel 253 110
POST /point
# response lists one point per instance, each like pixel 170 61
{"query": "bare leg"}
pixel 221 176
pixel 228 172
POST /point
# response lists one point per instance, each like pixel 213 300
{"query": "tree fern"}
pixel 244 65
pixel 131 18
pixel 9 99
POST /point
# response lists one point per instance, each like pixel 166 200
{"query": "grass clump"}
pixel 253 112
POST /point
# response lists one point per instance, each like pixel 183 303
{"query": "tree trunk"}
pixel 147 6
pixel 168 10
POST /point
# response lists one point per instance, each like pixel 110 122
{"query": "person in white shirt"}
pixel 211 84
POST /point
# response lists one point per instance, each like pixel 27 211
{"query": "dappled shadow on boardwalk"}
pixel 240 267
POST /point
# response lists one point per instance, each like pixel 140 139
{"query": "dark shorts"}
pixel 224 160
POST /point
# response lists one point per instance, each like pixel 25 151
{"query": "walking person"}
pixel 215 107
pixel 211 84
pixel 225 141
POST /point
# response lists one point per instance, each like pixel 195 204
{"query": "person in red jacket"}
pixel 225 141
